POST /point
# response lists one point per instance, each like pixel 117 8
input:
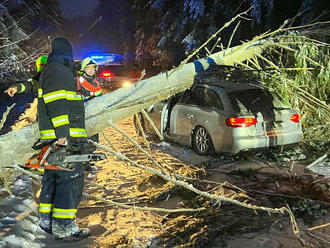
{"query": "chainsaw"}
pixel 54 157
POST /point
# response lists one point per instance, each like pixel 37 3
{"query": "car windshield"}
pixel 255 100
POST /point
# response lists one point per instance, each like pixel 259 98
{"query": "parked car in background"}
pixel 111 73
pixel 114 76
pixel 226 117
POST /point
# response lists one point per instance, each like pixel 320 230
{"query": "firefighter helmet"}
pixel 41 62
pixel 86 62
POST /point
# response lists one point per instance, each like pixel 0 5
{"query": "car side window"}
pixel 185 96
pixel 201 96
pixel 196 96
pixel 212 100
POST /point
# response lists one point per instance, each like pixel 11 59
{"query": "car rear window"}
pixel 254 100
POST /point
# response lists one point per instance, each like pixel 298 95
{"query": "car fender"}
pixel 193 130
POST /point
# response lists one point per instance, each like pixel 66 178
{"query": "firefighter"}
pixel 89 88
pixel 86 81
pixel 30 85
pixel 61 118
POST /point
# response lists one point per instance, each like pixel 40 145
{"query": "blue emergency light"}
pixel 97 57
pixel 107 58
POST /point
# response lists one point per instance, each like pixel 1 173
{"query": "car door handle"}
pixel 190 116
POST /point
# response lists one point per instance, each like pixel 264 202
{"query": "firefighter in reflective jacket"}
pixel 88 87
pixel 30 85
pixel 87 84
pixel 61 118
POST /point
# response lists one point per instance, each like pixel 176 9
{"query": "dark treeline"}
pixel 167 30
pixel 24 26
pixel 153 35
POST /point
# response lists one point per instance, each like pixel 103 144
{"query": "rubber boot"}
pixel 82 233
pixel 45 223
pixel 46 229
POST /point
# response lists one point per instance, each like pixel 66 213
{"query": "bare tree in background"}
pixel 22 29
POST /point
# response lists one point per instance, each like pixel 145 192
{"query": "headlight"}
pixel 126 84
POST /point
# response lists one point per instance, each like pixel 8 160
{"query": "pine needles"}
pixel 307 89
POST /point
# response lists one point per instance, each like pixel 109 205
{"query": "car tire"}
pixel 202 142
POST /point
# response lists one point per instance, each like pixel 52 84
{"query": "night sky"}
pixel 79 16
pixel 78 8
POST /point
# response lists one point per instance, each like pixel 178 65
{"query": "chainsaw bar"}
pixel 84 158
pixel 52 157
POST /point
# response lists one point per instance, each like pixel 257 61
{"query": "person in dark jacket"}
pixel 86 81
pixel 61 118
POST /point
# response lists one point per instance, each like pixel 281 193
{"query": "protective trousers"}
pixel 60 196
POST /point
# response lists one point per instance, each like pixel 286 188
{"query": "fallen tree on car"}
pixel 122 103
pixel 108 109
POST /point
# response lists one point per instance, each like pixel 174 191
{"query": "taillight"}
pixel 106 74
pixel 241 122
pixel 294 118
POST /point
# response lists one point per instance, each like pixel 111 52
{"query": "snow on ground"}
pixel 18 217
pixel 120 182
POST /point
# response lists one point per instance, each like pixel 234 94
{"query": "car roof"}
pixel 229 78
pixel 231 86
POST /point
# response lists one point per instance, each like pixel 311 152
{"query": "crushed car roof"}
pixel 229 78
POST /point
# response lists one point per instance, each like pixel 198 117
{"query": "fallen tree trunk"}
pixel 15 147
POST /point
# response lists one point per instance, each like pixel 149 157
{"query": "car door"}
pixel 155 113
pixel 199 106
pixel 181 117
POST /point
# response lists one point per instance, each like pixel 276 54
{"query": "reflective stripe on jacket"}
pixel 60 107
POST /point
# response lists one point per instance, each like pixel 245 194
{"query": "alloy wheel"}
pixel 202 141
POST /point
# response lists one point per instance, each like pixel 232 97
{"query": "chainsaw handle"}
pixel 39 144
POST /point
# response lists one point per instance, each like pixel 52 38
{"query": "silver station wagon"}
pixel 226 117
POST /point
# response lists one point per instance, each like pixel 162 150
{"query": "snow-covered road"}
pixel 118 181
